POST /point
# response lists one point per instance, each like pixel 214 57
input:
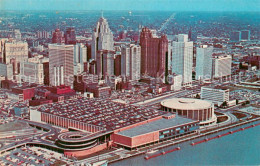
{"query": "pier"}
pixel 222 135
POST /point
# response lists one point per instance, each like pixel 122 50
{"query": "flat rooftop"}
pixel 186 103
pixel 159 124
pixel 100 112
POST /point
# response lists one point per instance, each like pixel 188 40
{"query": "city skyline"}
pixel 151 5
pixel 81 88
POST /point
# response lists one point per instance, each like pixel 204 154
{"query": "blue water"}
pixel 241 148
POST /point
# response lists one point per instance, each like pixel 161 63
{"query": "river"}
pixel 241 148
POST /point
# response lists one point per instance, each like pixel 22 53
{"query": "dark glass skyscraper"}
pixel 70 36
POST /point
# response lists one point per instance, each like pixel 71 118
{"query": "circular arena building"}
pixel 195 109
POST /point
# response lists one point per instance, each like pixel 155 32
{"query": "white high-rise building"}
pixel 204 62
pixel 61 68
pixel 15 53
pixel 80 57
pixel 102 38
pixel 182 58
pixel 131 62
pixel 105 63
pixel 31 72
pixel 221 66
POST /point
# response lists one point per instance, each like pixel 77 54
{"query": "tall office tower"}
pixel 57 36
pixel 15 53
pixel 182 58
pixel 245 35
pixel 117 65
pixel 105 63
pixel 235 36
pixel 61 69
pixel 221 66
pixel 80 57
pixel 17 35
pixel 102 38
pixel 131 62
pixel 153 52
pixel 80 53
pixel 204 62
pixel 70 36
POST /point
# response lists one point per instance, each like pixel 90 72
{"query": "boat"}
pixel 151 151
pixel 100 163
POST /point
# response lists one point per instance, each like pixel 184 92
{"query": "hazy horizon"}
pixel 133 5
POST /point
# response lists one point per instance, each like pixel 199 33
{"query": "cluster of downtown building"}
pixel 105 62
pixel 151 56
pixel 66 69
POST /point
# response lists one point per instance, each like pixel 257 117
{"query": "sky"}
pixel 158 5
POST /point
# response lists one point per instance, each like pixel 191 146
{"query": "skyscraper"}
pixel 61 64
pixel 204 62
pixel 15 53
pixel 245 35
pixel 102 38
pixel 105 63
pixel 153 52
pixel 57 36
pixel 80 57
pixel 221 66
pixel 182 58
pixel 70 36
pixel 131 62
pixel 235 36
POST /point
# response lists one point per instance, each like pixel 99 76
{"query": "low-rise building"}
pixel 216 95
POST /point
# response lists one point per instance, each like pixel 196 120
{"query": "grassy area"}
pixel 218 113
pixel 239 115
pixel 12 126
pixel 222 119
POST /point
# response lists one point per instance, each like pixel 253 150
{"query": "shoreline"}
pixel 172 142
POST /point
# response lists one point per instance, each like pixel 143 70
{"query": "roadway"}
pixel 38 139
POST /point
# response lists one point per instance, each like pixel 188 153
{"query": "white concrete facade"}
pixel 182 58
pixel 204 62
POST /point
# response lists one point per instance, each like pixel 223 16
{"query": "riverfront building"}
pixel 106 123
pixel 217 96
pixel 165 127
pixel 195 109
